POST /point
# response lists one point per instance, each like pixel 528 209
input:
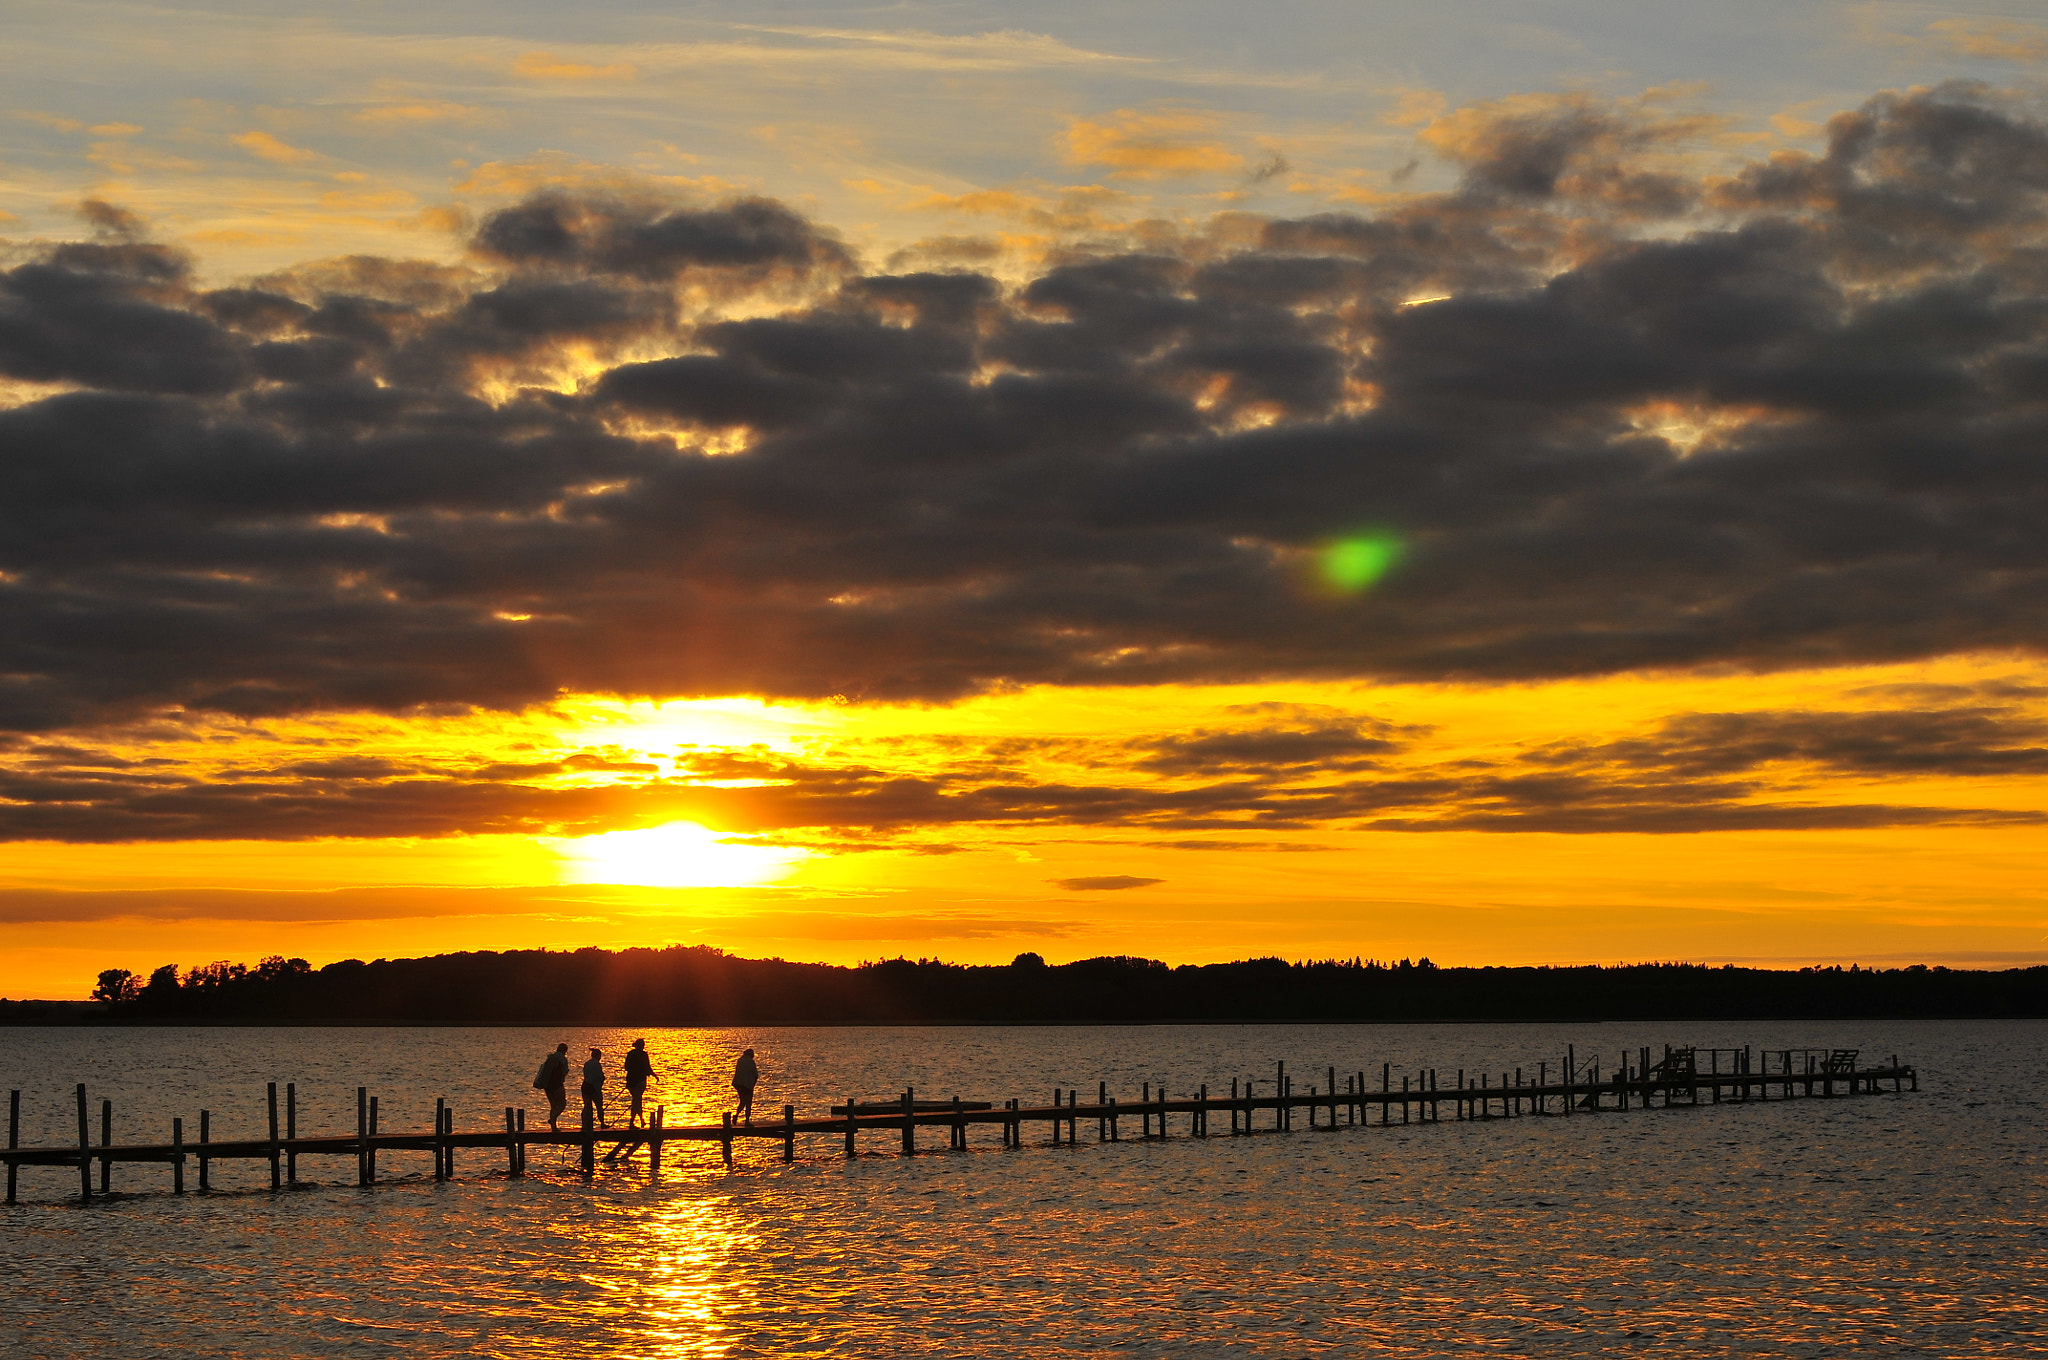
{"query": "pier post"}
pixel 1332 1089
pixel 1283 1118
pixel 106 1141
pixel 852 1126
pixel 13 1142
pixel 373 1140
pixel 725 1139
pixel 520 1115
pixel 1101 1111
pixel 276 1154
pixel 291 1132
pixel 654 1142
pixel 909 1121
pixel 587 1157
pixel 1202 1115
pixel 1145 1109
pixel 362 1135
pixel 959 1139
pixel 789 1133
pixel 205 1137
pixel 511 1146
pixel 177 1157
pixel 1073 1119
pixel 84 1148
pixel 440 1147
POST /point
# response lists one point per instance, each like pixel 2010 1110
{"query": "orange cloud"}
pixel 2001 39
pixel 446 217
pixel 417 112
pixel 1416 107
pixel 51 120
pixel 1145 145
pixel 547 66
pixel 263 146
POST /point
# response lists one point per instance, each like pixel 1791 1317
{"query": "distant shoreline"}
pixel 684 987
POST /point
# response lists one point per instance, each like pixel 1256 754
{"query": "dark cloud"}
pixel 1318 738
pixel 654 240
pixel 24 905
pixel 1691 773
pixel 1805 430
pixel 1956 741
pixel 1104 883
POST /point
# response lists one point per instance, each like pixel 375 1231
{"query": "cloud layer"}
pixel 1790 417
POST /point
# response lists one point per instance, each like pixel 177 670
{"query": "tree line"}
pixel 696 985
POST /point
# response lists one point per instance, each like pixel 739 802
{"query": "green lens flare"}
pixel 1354 564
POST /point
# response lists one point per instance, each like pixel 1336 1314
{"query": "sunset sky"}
pixel 1507 482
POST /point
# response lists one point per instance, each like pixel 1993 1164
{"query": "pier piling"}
pixel 84 1149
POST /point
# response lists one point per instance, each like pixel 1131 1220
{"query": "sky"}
pixel 1501 482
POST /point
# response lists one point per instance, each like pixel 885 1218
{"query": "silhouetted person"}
pixel 593 1086
pixel 551 1079
pixel 745 1077
pixel 638 1069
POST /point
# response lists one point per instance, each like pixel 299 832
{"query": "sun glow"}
pixel 677 855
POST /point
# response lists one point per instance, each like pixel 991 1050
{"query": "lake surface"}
pixel 1910 1224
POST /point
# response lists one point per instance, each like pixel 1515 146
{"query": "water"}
pixel 1909 1225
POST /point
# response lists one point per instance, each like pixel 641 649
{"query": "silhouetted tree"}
pixel 117 985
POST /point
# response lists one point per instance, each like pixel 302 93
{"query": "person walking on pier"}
pixel 746 1075
pixel 593 1086
pixel 638 1069
pixel 551 1080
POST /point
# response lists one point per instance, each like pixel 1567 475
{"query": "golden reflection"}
pixel 689 1276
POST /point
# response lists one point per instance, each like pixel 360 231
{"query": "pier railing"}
pixel 1682 1076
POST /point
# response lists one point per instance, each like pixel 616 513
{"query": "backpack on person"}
pixel 540 1078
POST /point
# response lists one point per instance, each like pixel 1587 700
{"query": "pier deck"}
pixel 1637 1083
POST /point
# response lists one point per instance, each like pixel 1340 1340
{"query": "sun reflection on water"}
pixel 680 1273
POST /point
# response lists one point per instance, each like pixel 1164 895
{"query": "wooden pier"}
pixel 1687 1076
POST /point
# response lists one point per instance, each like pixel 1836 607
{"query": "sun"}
pixel 676 855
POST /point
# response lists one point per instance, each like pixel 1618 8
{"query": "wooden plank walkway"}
pixel 1636 1082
